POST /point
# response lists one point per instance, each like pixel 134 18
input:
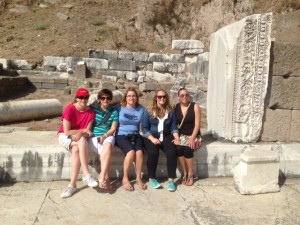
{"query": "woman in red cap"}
pixel 77 120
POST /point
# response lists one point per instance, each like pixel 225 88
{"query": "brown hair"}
pixel 124 100
pixel 181 89
pixel 156 111
pixel 105 92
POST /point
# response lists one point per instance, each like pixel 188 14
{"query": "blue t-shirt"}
pixel 130 119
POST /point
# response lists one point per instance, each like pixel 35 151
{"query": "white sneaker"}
pixel 68 192
pixel 90 181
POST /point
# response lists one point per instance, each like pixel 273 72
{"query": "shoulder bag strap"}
pixel 105 118
pixel 184 115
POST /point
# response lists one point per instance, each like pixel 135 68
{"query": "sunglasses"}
pixel 161 96
pixel 83 97
pixel 184 95
pixel 105 98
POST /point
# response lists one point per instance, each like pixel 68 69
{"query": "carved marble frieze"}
pixel 245 46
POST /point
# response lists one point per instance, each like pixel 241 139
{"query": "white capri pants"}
pixel 95 146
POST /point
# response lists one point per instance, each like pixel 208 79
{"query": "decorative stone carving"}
pixel 238 78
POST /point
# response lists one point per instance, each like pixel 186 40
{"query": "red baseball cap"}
pixel 82 92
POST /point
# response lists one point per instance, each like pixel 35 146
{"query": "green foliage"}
pixel 10 27
pixel 98 23
pixel 41 27
pixel 160 45
pixel 99 39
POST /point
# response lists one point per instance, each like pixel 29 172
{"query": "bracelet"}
pixel 105 135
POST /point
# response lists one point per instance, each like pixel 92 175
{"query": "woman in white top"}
pixel 160 132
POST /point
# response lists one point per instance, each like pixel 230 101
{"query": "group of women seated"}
pixel 133 128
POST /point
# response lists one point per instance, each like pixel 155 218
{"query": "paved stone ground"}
pixel 209 201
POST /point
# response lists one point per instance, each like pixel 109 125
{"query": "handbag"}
pixel 184 141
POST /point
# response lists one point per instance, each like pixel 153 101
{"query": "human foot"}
pixel 141 185
pixel 190 180
pixel 127 186
pixel 184 179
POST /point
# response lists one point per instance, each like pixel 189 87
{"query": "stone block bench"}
pixel 36 156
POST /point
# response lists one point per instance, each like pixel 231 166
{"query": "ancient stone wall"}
pixel 282 109
pixel 118 70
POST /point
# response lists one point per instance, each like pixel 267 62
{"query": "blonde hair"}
pixel 124 100
pixel 160 112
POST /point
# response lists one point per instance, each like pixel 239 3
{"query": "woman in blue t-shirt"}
pixel 128 137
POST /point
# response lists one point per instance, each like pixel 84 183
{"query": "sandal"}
pixel 183 179
pixel 190 181
pixel 108 188
pixel 102 184
pixel 141 185
pixel 127 186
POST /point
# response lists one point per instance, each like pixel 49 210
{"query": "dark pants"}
pixel 153 153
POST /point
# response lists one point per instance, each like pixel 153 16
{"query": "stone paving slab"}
pixel 209 201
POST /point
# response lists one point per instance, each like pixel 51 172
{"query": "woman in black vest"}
pixel 188 120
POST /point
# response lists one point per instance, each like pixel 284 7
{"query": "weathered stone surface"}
pixel 158 57
pixel 80 71
pixel 165 67
pixel 286 27
pixel 29 110
pixel 276 125
pixel 237 86
pixel 53 86
pixel 109 78
pixel 95 54
pixel 126 65
pixel 197 69
pixel 16 64
pixel 284 93
pixel 62 16
pixel 257 172
pixel 96 64
pixel 195 51
pixel 160 77
pixel 132 76
pixel 125 55
pixel 177 58
pixel 286 59
pixel 109 54
pixel 186 44
pixel 295 126
pixel 54 61
pixel 140 56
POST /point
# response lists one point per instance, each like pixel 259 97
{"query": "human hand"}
pixel 77 136
pixel 155 141
pixel 176 141
pixel 191 143
pixel 101 139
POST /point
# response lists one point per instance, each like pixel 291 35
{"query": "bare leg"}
pixel 129 158
pixel 105 166
pixel 138 169
pixel 75 165
pixel 182 164
pixel 105 160
pixel 190 165
pixel 83 154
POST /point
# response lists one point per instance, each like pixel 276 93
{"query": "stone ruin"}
pixel 252 87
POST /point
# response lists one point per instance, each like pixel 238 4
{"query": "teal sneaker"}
pixel 171 185
pixel 154 183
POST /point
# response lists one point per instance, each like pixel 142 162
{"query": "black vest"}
pixel 188 124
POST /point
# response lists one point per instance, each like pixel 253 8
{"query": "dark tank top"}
pixel 188 124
